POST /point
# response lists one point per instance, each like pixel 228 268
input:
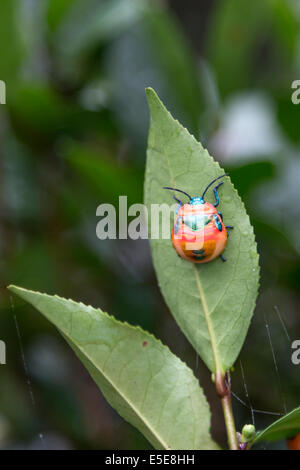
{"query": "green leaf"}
pixel 246 176
pixel 284 428
pixel 102 173
pixel 272 22
pixel 233 65
pixel 12 44
pixel 89 24
pixel 153 49
pixel 55 12
pixel 212 303
pixel 174 57
pixel 148 386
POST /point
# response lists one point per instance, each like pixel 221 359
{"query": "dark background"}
pixel 73 135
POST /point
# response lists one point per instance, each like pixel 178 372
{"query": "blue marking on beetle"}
pixel 196 200
pixel 199 220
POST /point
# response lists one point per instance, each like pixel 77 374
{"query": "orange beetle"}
pixel 199 235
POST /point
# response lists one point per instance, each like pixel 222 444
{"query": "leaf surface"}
pixel 149 387
pixel 212 303
pixel 284 428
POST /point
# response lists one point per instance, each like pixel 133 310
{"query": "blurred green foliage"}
pixel 73 135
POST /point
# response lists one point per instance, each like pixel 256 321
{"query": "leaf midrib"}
pixel 208 321
pixel 209 324
pixel 126 399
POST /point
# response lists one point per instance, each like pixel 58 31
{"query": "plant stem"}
pixel 229 422
pixel 223 390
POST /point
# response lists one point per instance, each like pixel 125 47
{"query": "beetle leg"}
pixel 223 258
pixel 216 194
pixel 227 227
pixel 220 214
pixel 217 223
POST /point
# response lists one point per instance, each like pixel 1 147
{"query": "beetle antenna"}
pixel 179 190
pixel 212 182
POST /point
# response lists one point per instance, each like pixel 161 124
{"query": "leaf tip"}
pixel 152 97
pixel 149 91
pixel 12 288
pixel 20 291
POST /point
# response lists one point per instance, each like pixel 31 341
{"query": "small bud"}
pixel 248 432
pixel 213 378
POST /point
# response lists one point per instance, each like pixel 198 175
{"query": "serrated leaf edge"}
pixel 218 362
pixel 15 290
